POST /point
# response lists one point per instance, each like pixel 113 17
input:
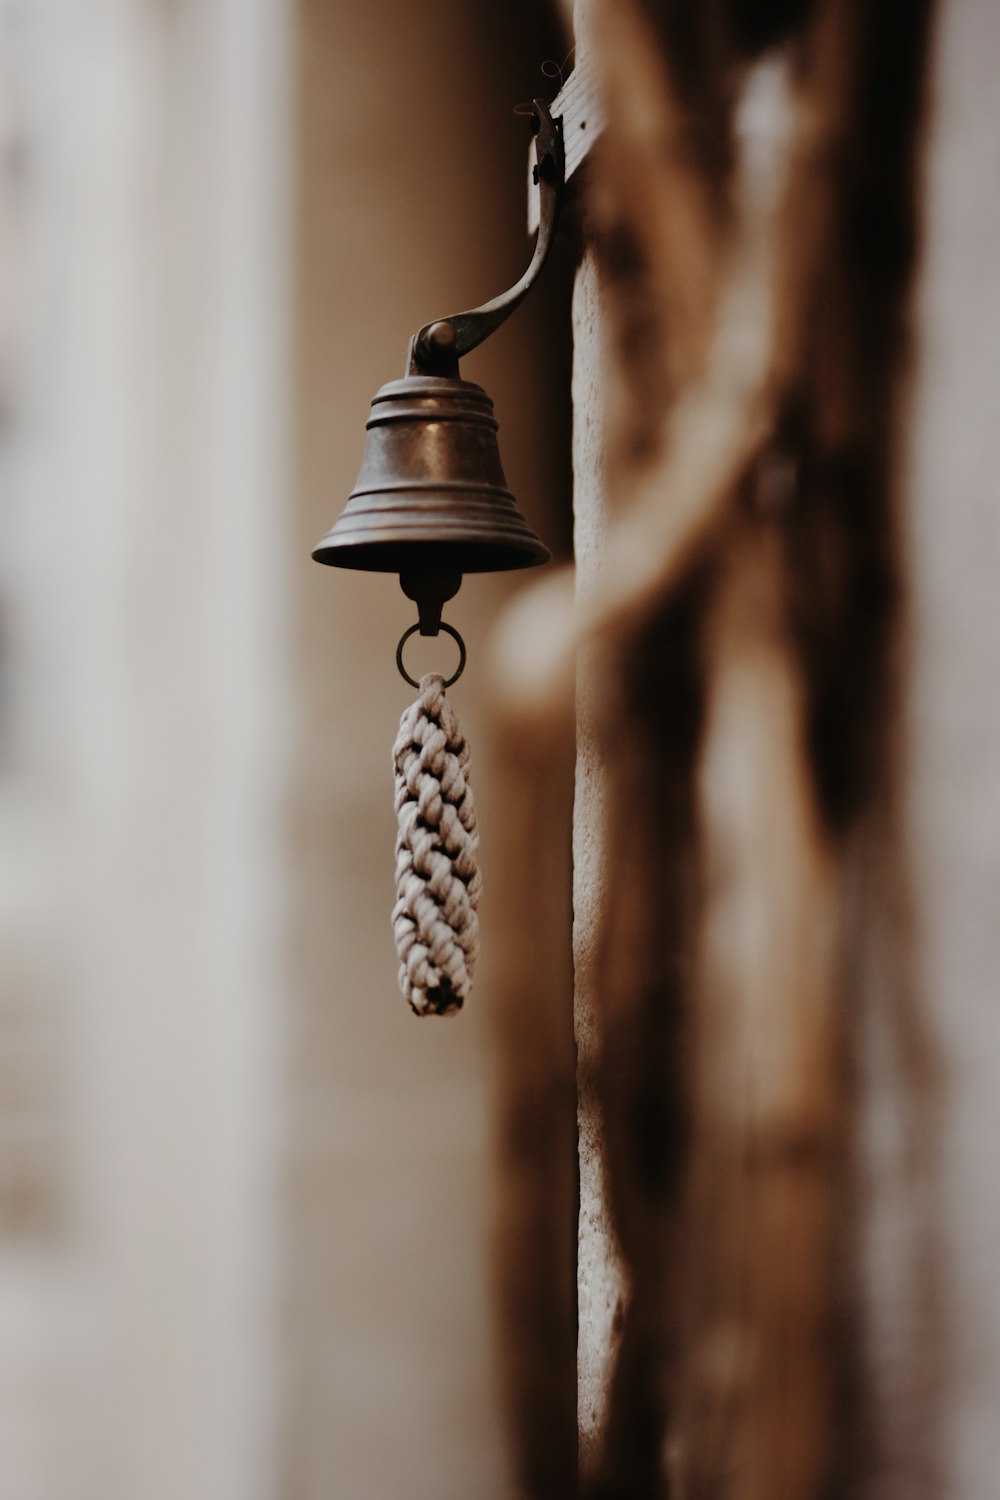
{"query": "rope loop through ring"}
pixel 448 630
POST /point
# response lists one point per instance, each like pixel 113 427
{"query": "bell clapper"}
pixel 430 589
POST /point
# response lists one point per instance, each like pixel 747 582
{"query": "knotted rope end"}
pixel 435 921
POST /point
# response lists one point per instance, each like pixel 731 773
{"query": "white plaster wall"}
pixel 143 480
pixel 954 544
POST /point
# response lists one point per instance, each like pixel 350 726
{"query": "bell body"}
pixel 431 493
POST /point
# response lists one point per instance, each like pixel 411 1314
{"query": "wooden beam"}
pixel 578 105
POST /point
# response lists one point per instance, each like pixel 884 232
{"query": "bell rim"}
pixel 467 554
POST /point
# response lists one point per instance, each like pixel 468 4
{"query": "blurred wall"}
pixel 144 437
pixel 411 204
pixel 244 1194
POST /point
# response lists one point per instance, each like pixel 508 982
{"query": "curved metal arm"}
pixel 439 345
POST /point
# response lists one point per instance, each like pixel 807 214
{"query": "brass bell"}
pixel 431 501
pixel 431 494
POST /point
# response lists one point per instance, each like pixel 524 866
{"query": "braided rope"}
pixel 434 920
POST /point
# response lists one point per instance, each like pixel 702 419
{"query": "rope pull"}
pixel 434 921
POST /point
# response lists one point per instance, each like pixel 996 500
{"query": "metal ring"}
pixel 448 630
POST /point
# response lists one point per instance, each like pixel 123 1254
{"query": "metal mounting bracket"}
pixel 440 344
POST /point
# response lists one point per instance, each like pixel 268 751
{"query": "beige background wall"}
pixel 411 204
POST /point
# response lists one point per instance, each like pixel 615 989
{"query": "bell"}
pixel 431 502
pixel 431 494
